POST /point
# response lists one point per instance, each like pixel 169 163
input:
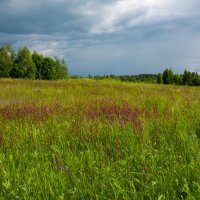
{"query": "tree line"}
pixel 187 78
pixel 146 78
pixel 167 77
pixel 24 64
pixel 27 65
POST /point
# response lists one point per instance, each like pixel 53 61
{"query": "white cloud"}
pixel 134 12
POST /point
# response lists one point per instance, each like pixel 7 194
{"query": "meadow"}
pixel 87 139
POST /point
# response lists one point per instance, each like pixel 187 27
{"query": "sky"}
pixel 107 36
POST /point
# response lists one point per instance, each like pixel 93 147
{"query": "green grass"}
pixel 85 139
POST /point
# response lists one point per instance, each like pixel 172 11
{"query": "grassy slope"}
pixel 84 139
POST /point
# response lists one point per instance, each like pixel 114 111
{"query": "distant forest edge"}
pixel 23 64
pixel 167 77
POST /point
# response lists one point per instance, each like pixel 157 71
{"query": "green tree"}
pixel 167 76
pixel 177 79
pixel 48 70
pixel 24 65
pixel 159 78
pixel 38 60
pixel 187 78
pixel 61 68
pixel 6 60
pixel 195 79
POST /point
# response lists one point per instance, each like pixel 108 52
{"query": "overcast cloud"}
pixel 107 36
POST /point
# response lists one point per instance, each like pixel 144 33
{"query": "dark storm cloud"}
pixel 39 18
pixel 106 36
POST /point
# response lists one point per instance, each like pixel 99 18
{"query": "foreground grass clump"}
pixel 85 139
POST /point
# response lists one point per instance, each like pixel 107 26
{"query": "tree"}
pixel 61 68
pixel 48 70
pixel 177 79
pixel 167 76
pixel 159 78
pixel 6 60
pixel 195 79
pixel 38 60
pixel 24 65
pixel 187 78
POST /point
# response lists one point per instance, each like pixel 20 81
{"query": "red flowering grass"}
pixel 124 114
pixel 35 112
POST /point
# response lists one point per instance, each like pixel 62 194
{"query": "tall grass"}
pixel 85 139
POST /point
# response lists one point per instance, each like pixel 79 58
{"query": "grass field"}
pixel 85 139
